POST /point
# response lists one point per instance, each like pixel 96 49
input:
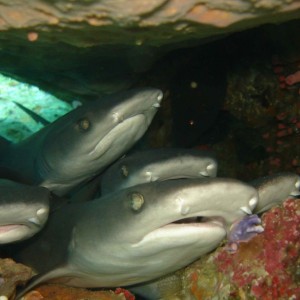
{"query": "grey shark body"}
pixel 23 210
pixel 83 142
pixel 137 234
pixel 274 189
pixel 158 165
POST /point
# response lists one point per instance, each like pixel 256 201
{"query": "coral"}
pixel 264 136
pixel 60 292
pixel 126 293
pixel 287 72
pixel 11 275
pixel 264 268
pixel 293 78
pixel 243 230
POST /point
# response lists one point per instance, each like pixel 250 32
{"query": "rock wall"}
pixel 92 47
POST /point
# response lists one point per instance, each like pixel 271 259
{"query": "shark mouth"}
pixel 105 143
pixel 31 222
pixel 187 231
pixel 12 233
pixel 10 227
pixel 202 220
pixel 19 231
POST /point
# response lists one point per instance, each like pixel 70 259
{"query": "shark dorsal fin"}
pixel 32 114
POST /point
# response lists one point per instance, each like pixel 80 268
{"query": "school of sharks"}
pixel 108 219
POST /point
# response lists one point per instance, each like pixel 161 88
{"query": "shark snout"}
pixel 40 217
pixel 209 171
pixel 296 191
pixel 251 205
pixel 159 98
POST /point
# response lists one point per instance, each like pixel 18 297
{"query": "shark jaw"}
pixel 185 231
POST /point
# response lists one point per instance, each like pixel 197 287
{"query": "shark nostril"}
pixel 35 221
pixel 246 210
pixel 41 211
pixel 204 173
pixel 253 202
pixel 210 167
pixel 160 96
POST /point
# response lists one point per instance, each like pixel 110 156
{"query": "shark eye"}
pixel 137 201
pixel 84 124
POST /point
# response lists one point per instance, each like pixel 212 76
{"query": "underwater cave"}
pixel 229 72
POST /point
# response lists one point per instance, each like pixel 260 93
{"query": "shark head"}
pixel 158 165
pixel 24 210
pixel 147 231
pixel 86 140
pixel 276 188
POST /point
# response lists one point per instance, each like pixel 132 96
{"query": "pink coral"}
pixel 266 267
pixel 293 78
pixel 126 293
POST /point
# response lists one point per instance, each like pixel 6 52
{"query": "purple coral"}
pixel 243 230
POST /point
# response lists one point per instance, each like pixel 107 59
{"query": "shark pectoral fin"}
pixel 60 275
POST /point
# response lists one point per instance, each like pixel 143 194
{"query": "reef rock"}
pixel 90 47
pixel 12 275
pixel 89 23
pixel 58 292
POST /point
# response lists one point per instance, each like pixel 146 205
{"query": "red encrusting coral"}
pixel 285 76
pixel 293 78
pixel 126 293
pixel 266 267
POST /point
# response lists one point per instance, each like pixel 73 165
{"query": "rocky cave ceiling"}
pixel 87 48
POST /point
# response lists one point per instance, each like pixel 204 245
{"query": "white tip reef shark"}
pixel 158 165
pixel 23 210
pixel 276 188
pixel 79 145
pixel 136 234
